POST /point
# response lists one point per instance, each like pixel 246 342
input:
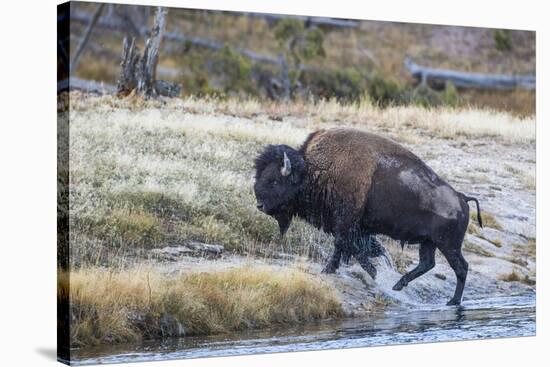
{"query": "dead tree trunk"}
pixel 127 81
pixel 149 61
pixel 140 73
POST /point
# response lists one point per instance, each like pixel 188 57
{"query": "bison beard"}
pixel 355 185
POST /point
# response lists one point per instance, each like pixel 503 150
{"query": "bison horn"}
pixel 285 170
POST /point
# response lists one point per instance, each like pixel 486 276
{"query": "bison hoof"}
pixel 453 302
pixel 399 285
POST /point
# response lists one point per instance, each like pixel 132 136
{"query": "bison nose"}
pixel 260 206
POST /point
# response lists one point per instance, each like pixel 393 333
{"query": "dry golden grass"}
pixel 135 304
pixel 476 249
pixel 518 261
pixel 529 180
pixel 488 220
pixel 495 242
pixel 532 247
pixel 473 228
pixel 378 303
pixel 518 102
pixel 443 122
pixel 514 276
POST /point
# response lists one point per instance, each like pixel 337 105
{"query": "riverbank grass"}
pixel 138 304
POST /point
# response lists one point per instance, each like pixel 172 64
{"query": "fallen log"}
pixel 90 86
pixel 216 46
pixel 319 21
pixel 437 78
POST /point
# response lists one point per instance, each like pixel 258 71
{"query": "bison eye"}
pixel 274 183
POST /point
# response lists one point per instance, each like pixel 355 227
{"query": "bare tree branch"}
pixel 87 33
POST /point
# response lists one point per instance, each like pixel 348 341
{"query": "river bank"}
pixel 512 316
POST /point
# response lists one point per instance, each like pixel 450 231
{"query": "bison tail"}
pixel 469 198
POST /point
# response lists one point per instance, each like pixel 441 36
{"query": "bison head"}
pixel 280 172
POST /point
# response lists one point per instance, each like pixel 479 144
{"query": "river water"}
pixel 497 317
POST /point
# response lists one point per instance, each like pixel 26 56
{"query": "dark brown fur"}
pixel 343 162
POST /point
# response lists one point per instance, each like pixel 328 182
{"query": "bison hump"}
pixel 342 161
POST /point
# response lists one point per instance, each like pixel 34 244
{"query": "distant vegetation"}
pixel 503 39
pixel 322 62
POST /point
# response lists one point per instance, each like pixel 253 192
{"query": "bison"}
pixel 354 185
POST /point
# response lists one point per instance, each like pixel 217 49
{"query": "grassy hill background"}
pixel 345 63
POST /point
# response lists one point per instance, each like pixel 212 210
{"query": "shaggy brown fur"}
pixel 343 161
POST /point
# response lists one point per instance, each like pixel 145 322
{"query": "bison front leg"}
pixel 366 248
pixel 339 249
pixel 334 261
pixel 345 233
pixel 364 260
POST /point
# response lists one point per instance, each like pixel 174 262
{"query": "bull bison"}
pixel 354 185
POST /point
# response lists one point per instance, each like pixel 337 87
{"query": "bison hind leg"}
pixel 427 261
pixel 460 267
